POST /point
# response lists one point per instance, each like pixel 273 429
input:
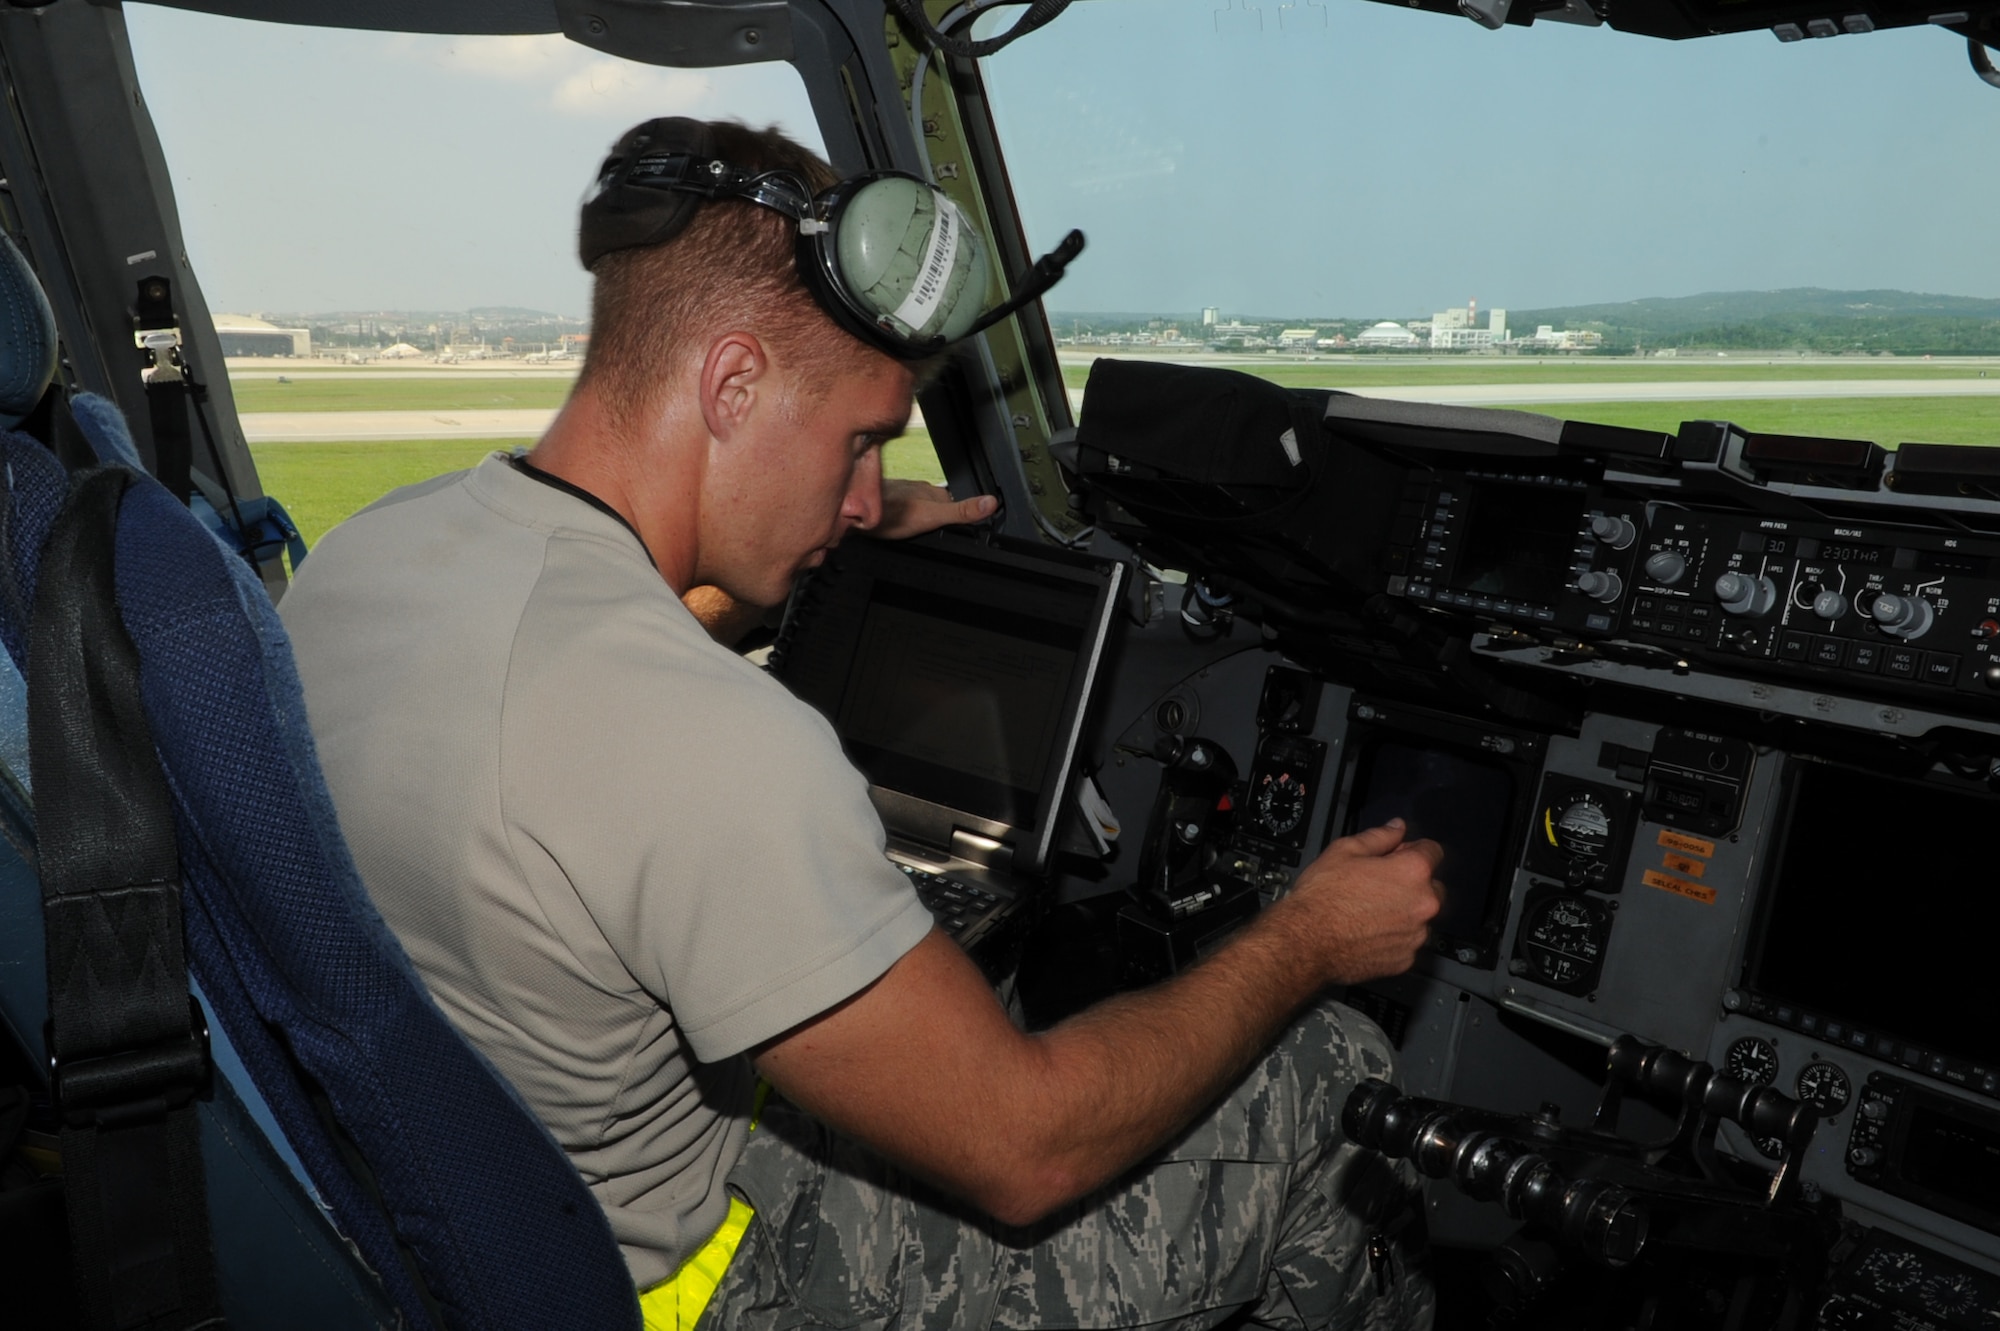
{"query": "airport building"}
pixel 245 335
pixel 1547 338
pixel 1459 329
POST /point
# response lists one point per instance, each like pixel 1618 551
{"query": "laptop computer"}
pixel 959 676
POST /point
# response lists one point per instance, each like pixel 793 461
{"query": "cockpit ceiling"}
pixel 500 17
pixel 690 34
pixel 705 20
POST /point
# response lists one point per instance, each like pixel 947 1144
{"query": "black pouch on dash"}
pixel 1173 443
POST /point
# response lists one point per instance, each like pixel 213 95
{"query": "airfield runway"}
pixel 298 426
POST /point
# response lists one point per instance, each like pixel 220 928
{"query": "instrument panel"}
pixel 1713 745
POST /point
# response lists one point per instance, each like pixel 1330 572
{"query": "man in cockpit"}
pixel 644 880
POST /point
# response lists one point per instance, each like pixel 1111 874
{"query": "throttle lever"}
pixel 1472 1149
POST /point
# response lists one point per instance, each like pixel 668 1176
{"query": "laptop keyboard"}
pixel 963 909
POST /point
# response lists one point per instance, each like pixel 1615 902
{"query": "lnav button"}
pixel 1940 668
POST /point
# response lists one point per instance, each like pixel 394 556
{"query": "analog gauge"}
pixel 1824 1087
pixel 1892 1272
pixel 1752 1059
pixel 1562 939
pixel 1769 1147
pixel 1579 827
pixel 1949 1294
pixel 1280 802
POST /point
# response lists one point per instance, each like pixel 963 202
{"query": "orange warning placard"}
pixel 1682 864
pixel 1687 845
pixel 1680 887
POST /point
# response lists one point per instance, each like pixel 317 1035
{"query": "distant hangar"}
pixel 243 335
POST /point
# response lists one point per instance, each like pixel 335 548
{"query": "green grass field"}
pixel 388 393
pixel 1886 420
pixel 471 392
pixel 1378 372
pixel 321 484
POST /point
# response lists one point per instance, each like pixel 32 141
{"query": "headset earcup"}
pixel 816 271
pixel 904 253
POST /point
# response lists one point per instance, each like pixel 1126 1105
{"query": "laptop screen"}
pixel 959 677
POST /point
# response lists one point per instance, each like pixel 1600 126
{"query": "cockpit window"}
pixel 384 226
pixel 1344 189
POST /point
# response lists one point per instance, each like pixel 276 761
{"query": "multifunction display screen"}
pixel 1519 543
pixel 1868 914
pixel 1456 800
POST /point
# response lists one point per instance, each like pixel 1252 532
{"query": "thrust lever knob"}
pixel 1745 593
pixel 1902 616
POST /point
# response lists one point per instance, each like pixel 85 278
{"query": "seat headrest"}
pixel 27 337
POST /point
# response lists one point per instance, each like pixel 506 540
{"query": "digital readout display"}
pixel 1829 553
pixel 1952 1155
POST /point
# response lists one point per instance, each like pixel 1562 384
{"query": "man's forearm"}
pixel 925 1067
pixel 1123 1077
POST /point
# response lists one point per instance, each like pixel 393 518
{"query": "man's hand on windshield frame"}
pixel 909 508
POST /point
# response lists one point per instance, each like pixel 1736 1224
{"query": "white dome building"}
pixel 1387 336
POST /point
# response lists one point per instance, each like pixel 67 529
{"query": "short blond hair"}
pixel 733 266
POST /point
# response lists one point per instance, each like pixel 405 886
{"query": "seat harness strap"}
pixel 128 1049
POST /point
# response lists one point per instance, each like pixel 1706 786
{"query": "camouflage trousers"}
pixel 1261 1213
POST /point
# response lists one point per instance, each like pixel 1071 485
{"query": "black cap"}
pixel 618 216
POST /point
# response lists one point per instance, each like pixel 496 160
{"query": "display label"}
pixel 1687 845
pixel 1680 887
pixel 1682 864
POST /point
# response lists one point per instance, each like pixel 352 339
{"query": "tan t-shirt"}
pixel 619 854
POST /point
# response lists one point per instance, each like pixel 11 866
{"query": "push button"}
pixel 1864 656
pixel 1902 662
pixel 1941 668
pixel 1795 646
pixel 1828 651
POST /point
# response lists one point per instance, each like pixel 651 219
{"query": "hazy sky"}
pixel 1352 158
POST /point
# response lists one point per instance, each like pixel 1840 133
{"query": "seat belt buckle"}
pixel 132 1085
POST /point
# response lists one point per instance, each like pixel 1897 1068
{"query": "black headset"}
pixel 886 254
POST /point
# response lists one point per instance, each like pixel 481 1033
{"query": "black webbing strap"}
pixel 127 1049
pixel 169 393
pixel 168 403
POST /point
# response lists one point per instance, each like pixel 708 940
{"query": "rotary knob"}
pixel 1613 530
pixel 1667 567
pixel 1745 593
pixel 1600 585
pixel 1864 1156
pixel 1829 604
pixel 1902 616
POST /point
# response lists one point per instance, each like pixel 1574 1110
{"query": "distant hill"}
pixel 1904 323
pixel 513 314
pixel 1805 318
